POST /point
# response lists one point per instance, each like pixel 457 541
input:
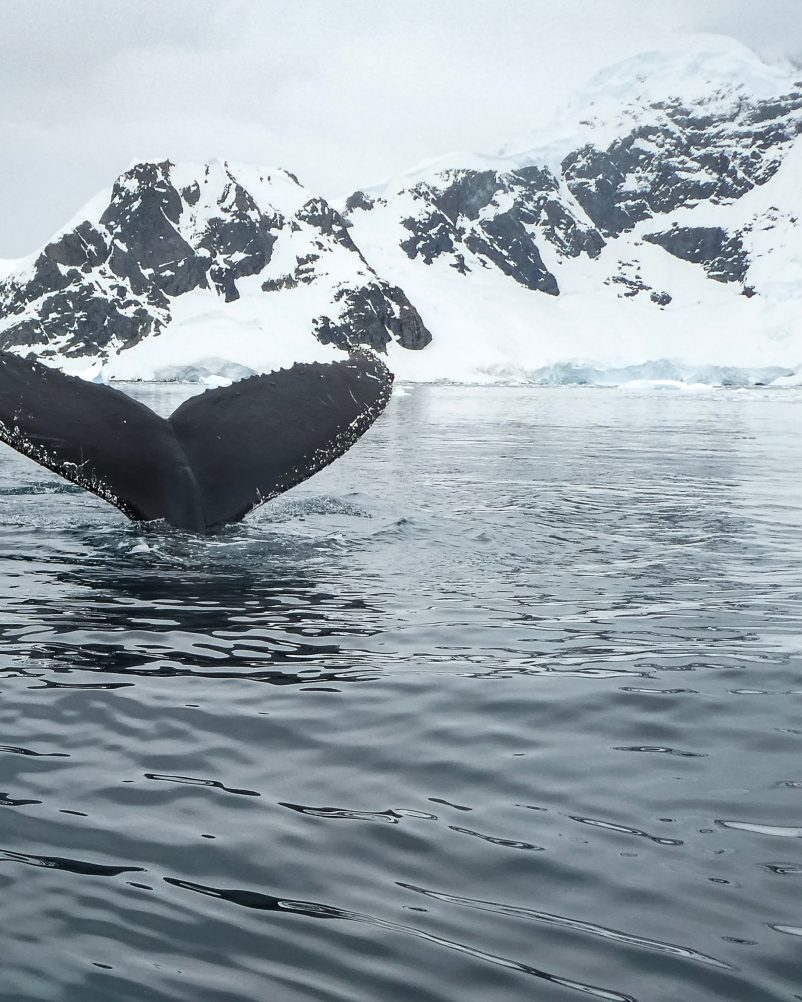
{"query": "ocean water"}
pixel 504 705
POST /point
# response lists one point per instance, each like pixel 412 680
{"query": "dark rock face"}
pixel 239 241
pixel 595 180
pixel 504 241
pixel 722 255
pixel 372 314
pixel 359 200
pixel 468 193
pixel 93 321
pixel 106 285
pixel 83 248
pixel 488 218
pixel 110 281
pixel 629 283
pixel 564 231
pixel 318 213
pixel 146 249
pixel 682 159
pixel 379 313
pixel 432 235
pixel 675 155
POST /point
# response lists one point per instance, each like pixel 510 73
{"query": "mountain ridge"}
pixel 670 233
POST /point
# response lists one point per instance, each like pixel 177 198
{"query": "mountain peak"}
pixel 171 241
pixel 692 68
pixel 713 74
pixel 664 207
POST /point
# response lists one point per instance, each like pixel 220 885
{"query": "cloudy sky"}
pixel 342 92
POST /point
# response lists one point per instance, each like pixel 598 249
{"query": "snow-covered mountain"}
pixel 181 265
pixel 659 222
pixel 654 230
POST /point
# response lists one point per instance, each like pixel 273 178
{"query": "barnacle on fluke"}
pixel 216 458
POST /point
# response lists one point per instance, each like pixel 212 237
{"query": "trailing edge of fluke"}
pixel 216 458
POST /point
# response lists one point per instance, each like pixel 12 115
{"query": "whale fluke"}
pixel 216 458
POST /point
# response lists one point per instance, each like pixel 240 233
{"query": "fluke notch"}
pixel 216 458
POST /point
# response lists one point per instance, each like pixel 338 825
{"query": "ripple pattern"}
pixel 503 705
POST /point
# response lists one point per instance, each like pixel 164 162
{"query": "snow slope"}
pixel 652 233
pixel 486 326
pixel 685 164
pixel 177 263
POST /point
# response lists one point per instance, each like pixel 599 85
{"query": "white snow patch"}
pixel 257 331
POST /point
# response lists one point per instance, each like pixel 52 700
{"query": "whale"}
pixel 218 456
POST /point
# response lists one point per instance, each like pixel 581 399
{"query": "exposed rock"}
pixel 432 235
pixel 722 255
pixel 359 200
pixel 113 279
pixel 83 247
pixel 277 284
pixel 318 213
pixel 629 282
pixel 191 194
pixel 498 218
pixel 108 283
pixel 148 249
pixel 373 316
pixel 239 240
pixel 504 241
pixel 682 158
pixel 469 192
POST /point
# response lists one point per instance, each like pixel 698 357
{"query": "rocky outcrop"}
pixel 681 157
pixel 111 281
pixel 529 221
pixel 494 219
pixel 722 255
pixel 636 183
pixel 380 313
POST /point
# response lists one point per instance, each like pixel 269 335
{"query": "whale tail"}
pixel 216 458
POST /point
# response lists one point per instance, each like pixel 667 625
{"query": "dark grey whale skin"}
pixel 216 458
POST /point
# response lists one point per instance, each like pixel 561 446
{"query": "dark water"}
pixel 505 705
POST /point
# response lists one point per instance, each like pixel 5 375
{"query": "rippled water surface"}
pixel 504 705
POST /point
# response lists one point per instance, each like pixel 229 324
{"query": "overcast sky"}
pixel 342 92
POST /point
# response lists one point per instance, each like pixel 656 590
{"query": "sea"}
pixel 504 705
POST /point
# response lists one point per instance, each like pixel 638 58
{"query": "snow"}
pixel 793 379
pixel 258 332
pixel 693 67
pixel 486 327
pixel 700 68
pixel 274 191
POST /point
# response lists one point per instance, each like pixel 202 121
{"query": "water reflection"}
pixel 312 909
pixel 173 605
